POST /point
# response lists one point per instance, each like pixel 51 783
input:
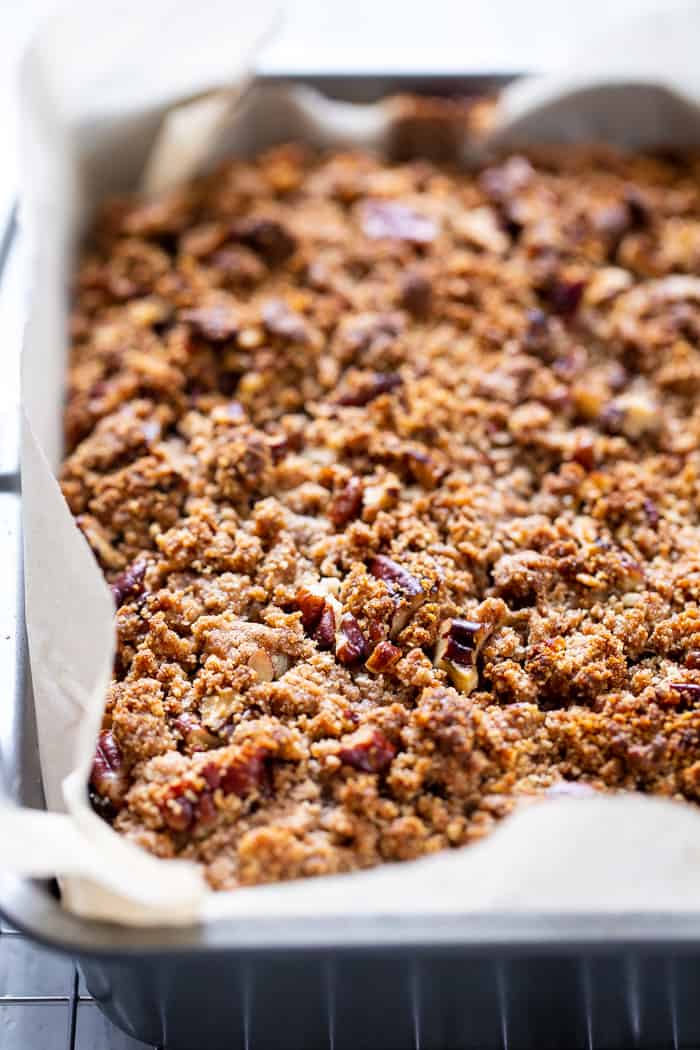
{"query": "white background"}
pixel 380 35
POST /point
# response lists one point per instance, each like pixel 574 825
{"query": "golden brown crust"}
pixel 394 471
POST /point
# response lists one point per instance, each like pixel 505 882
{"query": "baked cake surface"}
pixel 394 471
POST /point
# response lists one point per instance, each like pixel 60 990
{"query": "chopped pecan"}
pixel 367 750
pixel 380 494
pixel 692 659
pixel 457 650
pixel 324 635
pixel 611 221
pixel 379 383
pixel 350 642
pixel 424 468
pixel 416 294
pixel 634 414
pixel 267 237
pixel 689 691
pixel 205 811
pixel 346 504
pixel 537 334
pixel 369 332
pixel 248 773
pixel 281 320
pixel 178 813
pixel 651 512
pixel 480 227
pixel 201 241
pixel 584 451
pixel 231 412
pixel 109 775
pixel 606 284
pixel 638 208
pixel 397 578
pixel 279 445
pixel 503 182
pixel 564 296
pixel 384 218
pixel 195 735
pixel 238 266
pixel 217 321
pixel 383 657
pixel 212 774
pixel 404 588
pixel 310 604
pixel 130 584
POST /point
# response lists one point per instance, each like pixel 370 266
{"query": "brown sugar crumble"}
pixel 394 471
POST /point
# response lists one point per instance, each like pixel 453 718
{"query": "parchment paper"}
pixel 91 104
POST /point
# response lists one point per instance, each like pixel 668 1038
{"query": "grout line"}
pixel 73 1010
pixel 10 482
pixel 7 236
pixel 33 999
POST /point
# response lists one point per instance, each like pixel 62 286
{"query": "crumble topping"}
pixel 394 471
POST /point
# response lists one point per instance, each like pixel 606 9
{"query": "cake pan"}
pixel 380 983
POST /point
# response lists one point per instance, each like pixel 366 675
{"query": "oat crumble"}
pixel 394 470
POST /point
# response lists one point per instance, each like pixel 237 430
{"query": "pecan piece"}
pixel 129 584
pixel 564 296
pixel 212 774
pixel 245 775
pixel 310 603
pixel 689 691
pixel 109 776
pixel 503 182
pixel 367 750
pixel 281 320
pixel 324 635
pixel 416 295
pixel 380 493
pixel 396 221
pixel 386 569
pixel 231 412
pixel 178 813
pixel 217 321
pixel 267 237
pixel 537 336
pixel 380 383
pixel 384 656
pixel 347 504
pixel 638 208
pixel 651 512
pixel 424 469
pixel 194 734
pixel 205 810
pixel 584 452
pixel 350 642
pixel 457 650
pixel 634 414
pixel 404 588
pixel 279 446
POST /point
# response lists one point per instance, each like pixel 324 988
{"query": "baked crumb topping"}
pixel 394 472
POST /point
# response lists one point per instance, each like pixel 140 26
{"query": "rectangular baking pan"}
pixel 520 982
